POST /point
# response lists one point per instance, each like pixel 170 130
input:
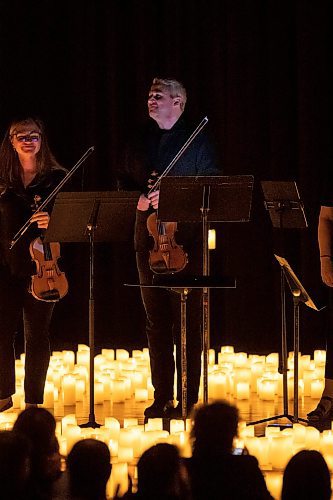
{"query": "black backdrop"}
pixel 259 69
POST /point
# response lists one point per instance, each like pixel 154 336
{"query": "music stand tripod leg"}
pixel 183 349
pixel 92 421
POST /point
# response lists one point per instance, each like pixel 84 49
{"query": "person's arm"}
pixel 325 241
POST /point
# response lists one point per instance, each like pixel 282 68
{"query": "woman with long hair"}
pixel 28 173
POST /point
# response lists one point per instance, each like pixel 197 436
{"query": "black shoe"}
pixel 177 412
pixel 159 409
pixel 5 404
pixel 324 410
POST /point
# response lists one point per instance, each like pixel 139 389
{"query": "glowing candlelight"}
pixel 68 390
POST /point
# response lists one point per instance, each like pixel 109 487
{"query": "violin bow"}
pixel 179 154
pixel 47 200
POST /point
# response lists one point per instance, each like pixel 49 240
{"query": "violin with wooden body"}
pixel 167 256
pixel 49 284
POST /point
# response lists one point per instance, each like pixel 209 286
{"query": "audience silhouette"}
pixel 215 472
pixel 161 475
pixel 306 476
pixel 38 425
pixel 88 468
pixel 14 465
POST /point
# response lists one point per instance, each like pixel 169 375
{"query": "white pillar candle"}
pixel 267 390
pixel 326 442
pixel 319 357
pixel 242 390
pixel 69 360
pixel 240 359
pixel 211 356
pixel 258 447
pixel 257 369
pixel 122 354
pixel 217 385
pixel 317 387
pixel 141 394
pixel 312 438
pixel 125 454
pixel 119 479
pixel 80 388
pixel 299 433
pixel 113 447
pixel 72 435
pixel 272 359
pixel 308 376
pixel 114 425
pixel 149 438
pixel 280 450
pixel 130 422
pixel 68 390
pixel 108 354
pixel 176 425
pixel 118 393
pixel 48 395
pixel 19 370
pixel 274 482
pixel 98 393
pixel 68 419
pixel 154 424
pixel 83 358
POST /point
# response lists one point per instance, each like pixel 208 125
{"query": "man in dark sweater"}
pixel 153 152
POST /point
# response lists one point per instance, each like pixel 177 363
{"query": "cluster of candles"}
pixel 119 377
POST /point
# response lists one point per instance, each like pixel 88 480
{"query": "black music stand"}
pixel 89 217
pixel 205 199
pixel 300 295
pixel 286 211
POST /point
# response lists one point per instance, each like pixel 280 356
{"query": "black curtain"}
pixel 260 71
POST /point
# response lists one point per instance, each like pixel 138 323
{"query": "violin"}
pixel 166 256
pixel 49 284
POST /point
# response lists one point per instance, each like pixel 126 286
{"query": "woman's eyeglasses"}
pixel 33 137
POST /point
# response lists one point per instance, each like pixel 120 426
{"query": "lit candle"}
pixel 319 357
pixel 280 450
pixel 217 385
pixel 259 448
pixel 267 389
pixel 72 435
pixel 98 393
pixel 108 354
pixel 69 360
pixel 312 438
pixel 114 425
pixel 130 422
pixel 119 479
pixel 242 390
pixel 317 387
pixel 48 395
pixel 68 390
pixel 122 355
pixel 83 358
pixel 118 391
pixel 274 482
pixel 125 454
pixel 176 426
pixel 141 394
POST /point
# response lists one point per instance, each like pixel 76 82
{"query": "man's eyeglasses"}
pixel 33 137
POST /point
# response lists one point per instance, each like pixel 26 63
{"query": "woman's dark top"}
pixel 16 207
